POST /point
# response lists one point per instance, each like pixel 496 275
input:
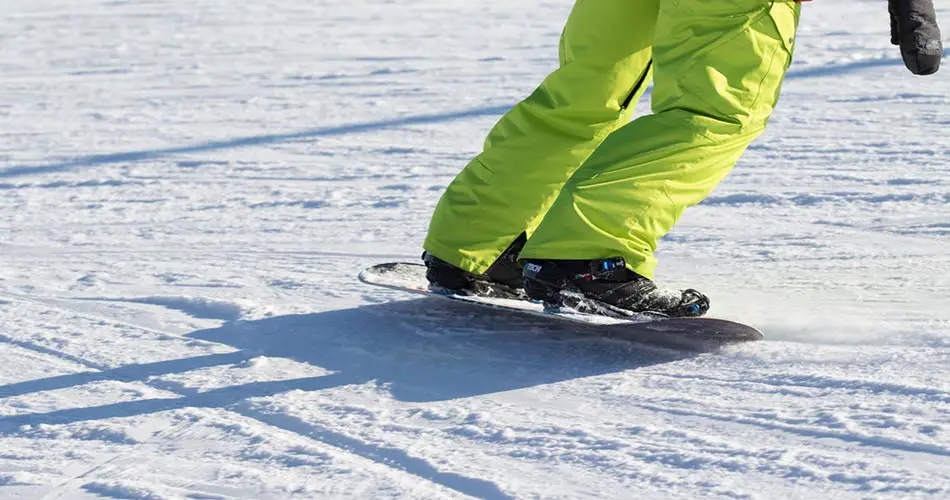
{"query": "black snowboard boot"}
pixel 503 278
pixel 609 282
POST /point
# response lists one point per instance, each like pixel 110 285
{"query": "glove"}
pixel 914 28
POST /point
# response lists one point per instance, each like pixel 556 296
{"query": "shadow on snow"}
pixel 422 350
pixel 258 140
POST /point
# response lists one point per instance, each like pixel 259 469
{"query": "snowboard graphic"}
pixel 687 333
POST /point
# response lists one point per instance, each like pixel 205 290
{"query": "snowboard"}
pixel 701 334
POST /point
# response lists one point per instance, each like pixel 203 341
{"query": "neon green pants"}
pixel 562 166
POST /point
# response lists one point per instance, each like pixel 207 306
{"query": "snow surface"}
pixel 188 190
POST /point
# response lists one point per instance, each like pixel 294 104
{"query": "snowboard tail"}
pixel 652 328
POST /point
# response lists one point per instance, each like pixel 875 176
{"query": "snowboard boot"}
pixel 606 287
pixel 503 279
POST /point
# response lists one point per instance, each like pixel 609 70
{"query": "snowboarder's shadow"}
pixel 432 350
pixel 422 350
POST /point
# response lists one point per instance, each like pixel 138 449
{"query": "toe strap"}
pixel 693 303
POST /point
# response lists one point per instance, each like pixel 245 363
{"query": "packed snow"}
pixel 188 190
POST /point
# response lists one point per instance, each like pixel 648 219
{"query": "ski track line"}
pixel 823 382
pixel 885 443
pixel 42 350
pixel 392 460
pixel 76 482
pixel 56 303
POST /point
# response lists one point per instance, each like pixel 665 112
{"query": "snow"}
pixel 188 191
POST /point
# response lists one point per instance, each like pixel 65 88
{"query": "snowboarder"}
pixel 578 196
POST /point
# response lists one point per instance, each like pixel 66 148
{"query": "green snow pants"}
pixel 564 166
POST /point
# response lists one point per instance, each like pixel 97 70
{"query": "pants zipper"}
pixel 636 88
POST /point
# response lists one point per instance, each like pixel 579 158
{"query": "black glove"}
pixel 914 28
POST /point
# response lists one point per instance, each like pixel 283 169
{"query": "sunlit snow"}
pixel 188 190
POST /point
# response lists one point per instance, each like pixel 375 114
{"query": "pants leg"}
pixel 605 55
pixel 719 65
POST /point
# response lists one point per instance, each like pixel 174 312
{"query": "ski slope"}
pixel 188 190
